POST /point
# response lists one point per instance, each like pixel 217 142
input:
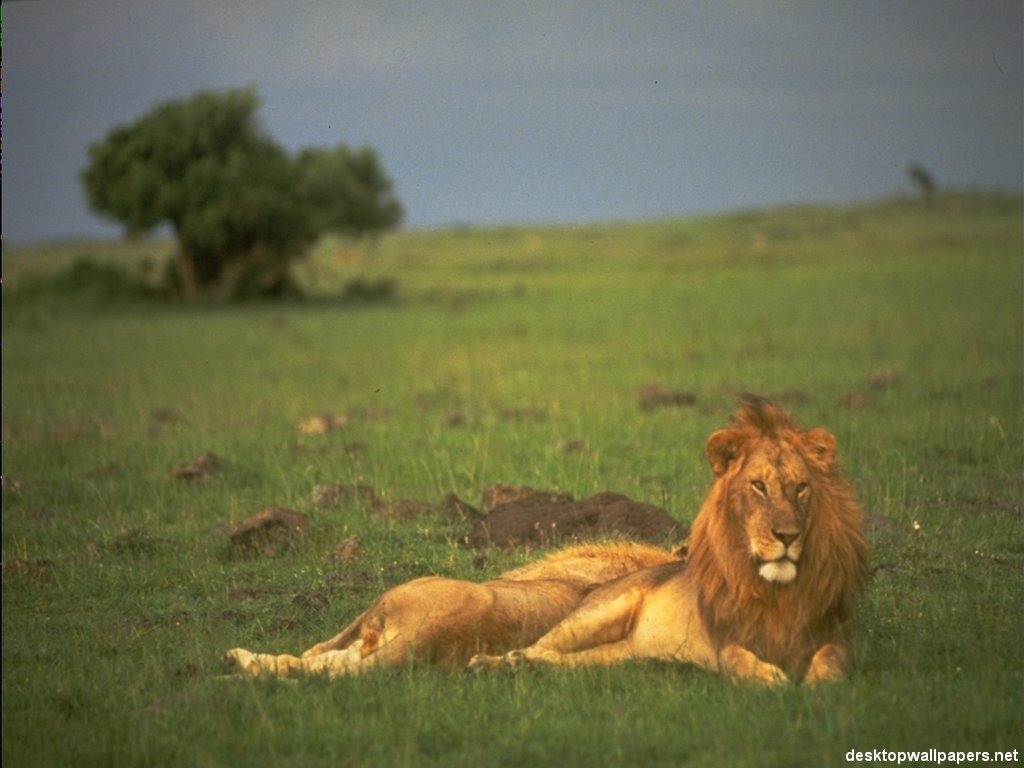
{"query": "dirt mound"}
pixel 542 520
pixel 654 396
pixel 518 514
pixel 345 494
pixel 270 532
pixel 200 468
pixel 503 493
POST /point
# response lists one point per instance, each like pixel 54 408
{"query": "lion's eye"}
pixel 759 486
pixel 802 488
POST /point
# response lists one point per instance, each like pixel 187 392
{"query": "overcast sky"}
pixel 537 110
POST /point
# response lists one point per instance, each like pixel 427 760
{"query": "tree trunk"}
pixel 188 278
pixel 261 273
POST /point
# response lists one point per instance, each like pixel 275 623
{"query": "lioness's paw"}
pixel 482 661
pixel 240 660
pixel 514 660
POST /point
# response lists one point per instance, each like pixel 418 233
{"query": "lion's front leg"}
pixel 742 665
pixel 828 665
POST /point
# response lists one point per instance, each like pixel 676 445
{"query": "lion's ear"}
pixel 722 448
pixel 821 447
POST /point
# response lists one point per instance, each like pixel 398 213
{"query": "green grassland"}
pixel 895 324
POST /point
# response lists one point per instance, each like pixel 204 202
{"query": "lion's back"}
pixel 593 563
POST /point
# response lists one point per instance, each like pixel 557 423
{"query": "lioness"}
pixel 776 558
pixel 442 620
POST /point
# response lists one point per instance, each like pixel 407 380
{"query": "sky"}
pixel 536 111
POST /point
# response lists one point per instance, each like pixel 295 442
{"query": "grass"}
pixel 896 326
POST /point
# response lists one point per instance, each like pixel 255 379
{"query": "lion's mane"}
pixel 782 623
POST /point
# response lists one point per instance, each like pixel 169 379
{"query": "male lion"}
pixel 776 558
pixel 446 621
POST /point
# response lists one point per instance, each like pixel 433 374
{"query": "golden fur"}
pixel 435 619
pixel 775 561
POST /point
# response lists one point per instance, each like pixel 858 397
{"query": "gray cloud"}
pixel 530 110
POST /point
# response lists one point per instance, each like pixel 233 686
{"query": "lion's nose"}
pixel 786 537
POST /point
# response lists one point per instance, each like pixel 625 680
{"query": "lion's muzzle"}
pixel 778 555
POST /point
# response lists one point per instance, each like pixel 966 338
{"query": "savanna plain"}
pixel 451 360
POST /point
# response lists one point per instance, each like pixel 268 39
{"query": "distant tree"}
pixel 921 179
pixel 241 208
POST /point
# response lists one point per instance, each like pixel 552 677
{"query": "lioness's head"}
pixel 769 467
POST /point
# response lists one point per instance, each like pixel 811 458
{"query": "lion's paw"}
pixel 827 665
pixel 822 673
pixel 770 675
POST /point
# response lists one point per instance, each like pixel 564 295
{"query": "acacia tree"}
pixel 241 208
pixel 345 191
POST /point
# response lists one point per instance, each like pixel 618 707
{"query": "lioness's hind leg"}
pixel 259 664
pixel 328 645
pixel 363 646
pixel 606 655
pixel 369 619
pixel 597 632
pixel 599 621
pixel 600 655
pixel 331 663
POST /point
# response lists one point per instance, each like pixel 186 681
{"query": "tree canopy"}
pixel 241 207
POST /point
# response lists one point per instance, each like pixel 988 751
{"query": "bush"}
pixel 88 280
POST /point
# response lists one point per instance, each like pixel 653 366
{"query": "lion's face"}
pixel 769 491
pixel 772 493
